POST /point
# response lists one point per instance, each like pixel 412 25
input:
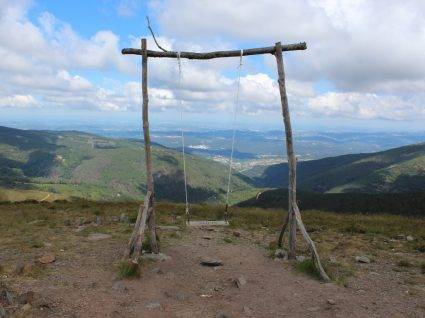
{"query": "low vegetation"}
pixel 31 226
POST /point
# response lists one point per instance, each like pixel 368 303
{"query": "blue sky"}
pixel 62 61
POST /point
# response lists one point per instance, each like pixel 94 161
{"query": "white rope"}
pixel 182 134
pixel 235 111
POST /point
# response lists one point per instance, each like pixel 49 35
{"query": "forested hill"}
pixel 69 163
pixel 395 170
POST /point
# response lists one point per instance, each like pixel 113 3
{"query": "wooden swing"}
pixel 224 222
pixel 147 211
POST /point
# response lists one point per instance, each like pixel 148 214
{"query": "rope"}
pixel 182 135
pixel 235 111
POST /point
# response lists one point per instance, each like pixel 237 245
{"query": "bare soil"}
pixel 83 282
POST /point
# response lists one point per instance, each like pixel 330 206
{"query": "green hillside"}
pixel 395 170
pixel 76 164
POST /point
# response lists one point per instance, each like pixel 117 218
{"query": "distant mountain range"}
pixel 67 164
pixel 63 164
pixel 396 170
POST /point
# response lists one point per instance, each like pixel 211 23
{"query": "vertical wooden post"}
pixel 294 215
pixel 290 153
pixel 148 156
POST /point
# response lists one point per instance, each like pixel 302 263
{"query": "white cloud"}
pixel 369 52
pixel 19 101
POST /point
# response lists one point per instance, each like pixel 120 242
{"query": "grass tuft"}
pixel 307 267
pixel 227 240
pixel 404 263
pixel 129 269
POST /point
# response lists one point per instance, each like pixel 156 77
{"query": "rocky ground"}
pixel 81 280
pixel 63 259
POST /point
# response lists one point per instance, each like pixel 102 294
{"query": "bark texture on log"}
pixel 135 243
pixel 289 151
pixel 147 140
pixel 294 215
pixel 218 54
pixel 282 231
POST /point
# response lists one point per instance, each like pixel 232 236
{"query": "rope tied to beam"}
pixel 235 112
pixel 182 135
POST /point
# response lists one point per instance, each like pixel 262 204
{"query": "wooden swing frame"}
pixel 146 215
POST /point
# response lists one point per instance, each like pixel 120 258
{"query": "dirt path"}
pixel 85 285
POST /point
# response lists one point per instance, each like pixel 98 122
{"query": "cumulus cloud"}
pixel 367 48
pixel 368 52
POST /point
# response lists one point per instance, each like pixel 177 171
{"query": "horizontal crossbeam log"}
pixel 218 54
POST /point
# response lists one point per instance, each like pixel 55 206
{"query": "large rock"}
pixel 124 218
pixel 26 298
pixel 47 258
pixel 363 259
pixel 19 268
pixel 169 227
pixel 280 253
pixel 160 257
pixel 241 281
pixel 98 236
pixel 153 306
pixel 211 262
pixel 119 286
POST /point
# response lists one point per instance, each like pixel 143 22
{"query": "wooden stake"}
pixel 289 151
pixel 147 139
pixel 294 215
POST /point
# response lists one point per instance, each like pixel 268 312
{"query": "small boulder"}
pixel 409 238
pixel 331 302
pixel 98 236
pixel 19 268
pixel 80 221
pixel 47 258
pixel 300 258
pixel 124 218
pixel 363 259
pixel 333 260
pixel 119 286
pixel 160 257
pixel 211 262
pixel 153 306
pixel 26 298
pixel 401 237
pixel 26 307
pixel 240 282
pixel 98 221
pixel 279 253
pixel 6 297
pixel 169 227
pixel 247 311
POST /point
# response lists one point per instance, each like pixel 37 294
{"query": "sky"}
pixel 364 69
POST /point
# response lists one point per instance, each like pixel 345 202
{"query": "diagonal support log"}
pixel 294 215
pixel 136 240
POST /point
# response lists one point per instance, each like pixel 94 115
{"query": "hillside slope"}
pixel 84 165
pixel 395 170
